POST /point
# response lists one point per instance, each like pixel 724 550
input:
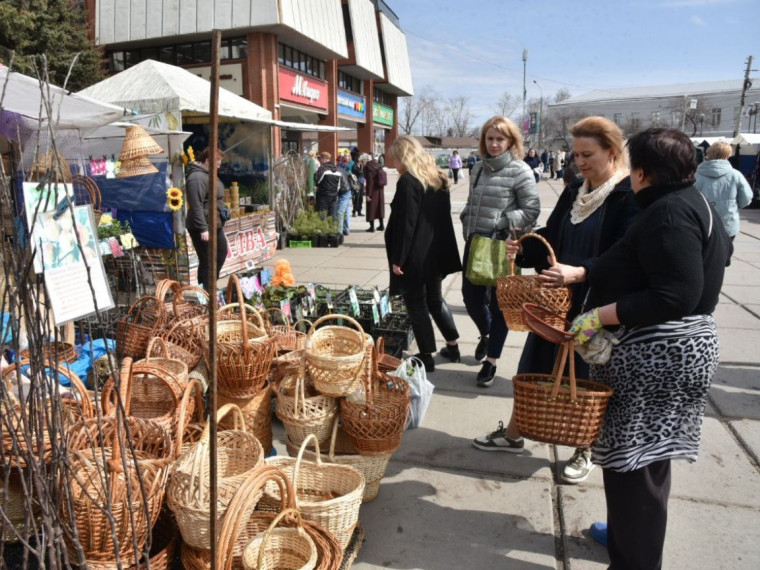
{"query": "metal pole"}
pixel 540 115
pixel 747 84
pixel 525 91
pixel 213 142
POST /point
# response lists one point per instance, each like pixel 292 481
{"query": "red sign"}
pixel 247 242
pixel 303 89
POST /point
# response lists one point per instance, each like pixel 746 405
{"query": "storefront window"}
pixel 301 62
pixel 117 61
pixel 166 54
pixel 238 48
pixel 203 52
pixel 382 97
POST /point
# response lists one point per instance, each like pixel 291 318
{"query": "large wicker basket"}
pixel 328 494
pixel 513 291
pixel 138 326
pixel 188 495
pixel 335 356
pixel 257 413
pixel 553 408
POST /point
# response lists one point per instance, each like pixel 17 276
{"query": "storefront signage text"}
pixel 303 89
pixel 351 105
pixel 382 114
pixel 248 242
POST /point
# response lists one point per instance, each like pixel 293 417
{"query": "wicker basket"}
pixel 191 302
pixel 343 452
pixel 328 494
pixel 61 352
pixel 137 143
pixel 52 161
pixel 377 425
pixel 513 291
pixel 188 495
pixel 386 362
pixel 79 181
pixel 183 342
pixel 281 548
pixel 167 291
pixel 335 356
pixel 193 417
pixel 157 353
pixel 244 354
pixel 303 411
pixel 139 325
pixel 15 506
pixel 245 521
pixel 257 413
pixel 558 409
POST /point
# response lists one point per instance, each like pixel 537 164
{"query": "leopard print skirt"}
pixel 660 376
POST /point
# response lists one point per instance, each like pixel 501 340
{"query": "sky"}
pixel 474 48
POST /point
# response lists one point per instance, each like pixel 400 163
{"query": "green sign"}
pixel 382 114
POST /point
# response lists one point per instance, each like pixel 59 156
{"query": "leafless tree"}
pixel 459 115
pixel 412 111
pixel 507 104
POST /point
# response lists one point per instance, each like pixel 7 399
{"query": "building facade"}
pixel 332 63
pixel 707 109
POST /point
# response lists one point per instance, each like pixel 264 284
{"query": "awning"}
pixel 69 111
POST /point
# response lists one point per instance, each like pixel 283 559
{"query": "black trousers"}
pixel 202 249
pixel 637 514
pixel 424 302
pixel 358 201
pixel 327 205
pixel 456 174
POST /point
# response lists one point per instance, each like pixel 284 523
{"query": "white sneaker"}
pixel 578 468
pixel 499 441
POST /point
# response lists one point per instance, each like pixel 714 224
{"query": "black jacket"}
pixel 420 235
pixel 196 189
pixel 329 180
pixel 669 264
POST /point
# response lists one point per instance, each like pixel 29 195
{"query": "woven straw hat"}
pixel 138 142
pixel 50 161
pixel 136 167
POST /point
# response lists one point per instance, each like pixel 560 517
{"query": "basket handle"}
pixel 194 390
pixel 125 379
pixel 140 305
pixel 163 287
pixel 552 257
pixel 333 439
pixel 245 307
pixel 242 506
pixel 282 514
pixel 221 413
pixel 299 321
pixel 566 350
pixel 233 285
pixel 161 344
pixel 300 387
pixel 275 310
pixel 320 320
pixel 299 459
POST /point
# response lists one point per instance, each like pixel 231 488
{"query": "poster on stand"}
pixel 66 246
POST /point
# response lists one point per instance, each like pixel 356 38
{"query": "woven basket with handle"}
pixel 281 547
pixel 335 356
pixel 553 408
pixel 138 326
pixel 512 291
pixel 257 413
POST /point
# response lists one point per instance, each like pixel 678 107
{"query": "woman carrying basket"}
pixel 590 216
pixel 502 197
pixel 421 245
pixel 661 282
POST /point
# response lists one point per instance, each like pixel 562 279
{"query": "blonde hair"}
pixel 607 134
pixel 509 130
pixel 419 163
pixel 719 151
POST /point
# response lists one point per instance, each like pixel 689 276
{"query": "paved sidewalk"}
pixel 445 505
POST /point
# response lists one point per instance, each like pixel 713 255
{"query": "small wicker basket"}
pixel 335 356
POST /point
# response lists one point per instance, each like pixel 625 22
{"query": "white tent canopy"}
pixel 22 95
pixel 108 140
pixel 746 139
pixel 155 87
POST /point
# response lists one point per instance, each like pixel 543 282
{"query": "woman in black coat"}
pixel 421 245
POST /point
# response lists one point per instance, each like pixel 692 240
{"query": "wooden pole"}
pixel 213 143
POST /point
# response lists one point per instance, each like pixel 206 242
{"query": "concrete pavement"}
pixel 446 505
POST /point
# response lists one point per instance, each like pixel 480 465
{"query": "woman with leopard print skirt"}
pixel 660 284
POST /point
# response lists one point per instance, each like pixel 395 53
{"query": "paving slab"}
pixel 735 392
pixel 737 346
pixel 743 294
pixel 748 433
pixel 730 315
pixel 446 521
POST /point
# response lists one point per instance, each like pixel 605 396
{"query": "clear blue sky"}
pixel 474 48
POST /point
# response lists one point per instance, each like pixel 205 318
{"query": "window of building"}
pixel 715 117
pixel 186 53
pixel 203 52
pixel 635 120
pixel 301 62
pixel 618 118
pixel 117 61
pixel 381 97
pixel 349 82
pixel 675 119
pixel 655 118
pixel 238 48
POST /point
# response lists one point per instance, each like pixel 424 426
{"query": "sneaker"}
pixel 598 532
pixel 578 468
pixel 482 349
pixel 486 374
pixel 451 351
pixel 498 441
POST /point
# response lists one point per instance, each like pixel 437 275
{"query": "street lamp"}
pixel 540 115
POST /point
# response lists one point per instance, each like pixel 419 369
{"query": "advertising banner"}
pixel 382 114
pixel 351 105
pixel 303 89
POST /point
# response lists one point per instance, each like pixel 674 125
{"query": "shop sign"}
pixel 382 114
pixel 230 76
pixel 248 242
pixel 351 105
pixel 303 89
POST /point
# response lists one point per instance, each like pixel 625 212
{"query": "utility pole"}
pixel 745 87
pixel 525 90
pixel 540 115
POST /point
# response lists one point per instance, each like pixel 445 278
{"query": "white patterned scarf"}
pixel 587 202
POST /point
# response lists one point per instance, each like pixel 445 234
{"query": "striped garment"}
pixel 660 375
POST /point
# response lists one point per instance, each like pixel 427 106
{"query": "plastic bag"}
pixel 413 371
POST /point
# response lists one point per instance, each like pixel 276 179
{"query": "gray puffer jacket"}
pixel 502 196
pixel 726 189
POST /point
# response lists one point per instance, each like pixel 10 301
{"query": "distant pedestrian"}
pixel 534 162
pixel 455 163
pixel 357 170
pixel 545 160
pixel 471 161
pixel 551 164
pixel 329 182
pixel 723 186
pixel 559 163
pixel 375 180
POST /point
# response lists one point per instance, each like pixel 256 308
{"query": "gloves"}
pixel 585 326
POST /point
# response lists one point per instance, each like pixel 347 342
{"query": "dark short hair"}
pixel 665 156
pixel 203 155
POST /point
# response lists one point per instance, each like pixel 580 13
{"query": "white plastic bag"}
pixel 413 371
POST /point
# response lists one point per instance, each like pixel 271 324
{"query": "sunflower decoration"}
pixel 188 156
pixel 174 199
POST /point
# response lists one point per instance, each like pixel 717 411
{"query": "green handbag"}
pixel 487 261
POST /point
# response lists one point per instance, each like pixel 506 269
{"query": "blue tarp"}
pixel 136 193
pixel 151 229
pixel 83 365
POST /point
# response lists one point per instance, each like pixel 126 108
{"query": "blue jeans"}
pixel 483 308
pixel 344 212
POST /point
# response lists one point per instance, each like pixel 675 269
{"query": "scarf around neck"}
pixel 586 202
